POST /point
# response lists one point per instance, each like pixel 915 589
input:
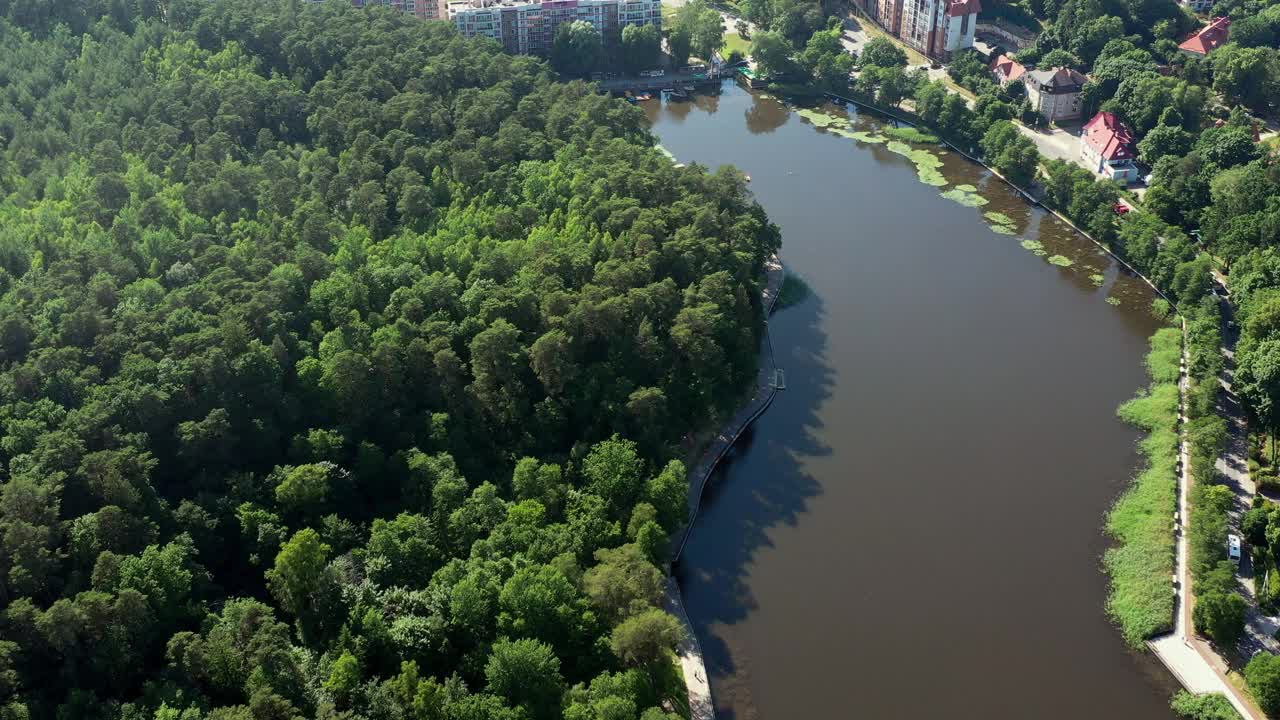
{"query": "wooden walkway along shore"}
pixel 701 706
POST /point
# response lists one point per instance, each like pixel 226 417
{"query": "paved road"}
pixel 1055 143
pixel 1233 468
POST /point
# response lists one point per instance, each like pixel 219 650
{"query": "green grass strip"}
pixel 1141 563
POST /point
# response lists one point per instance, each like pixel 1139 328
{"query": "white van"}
pixel 1233 548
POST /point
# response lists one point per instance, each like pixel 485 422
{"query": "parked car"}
pixel 1120 208
pixel 1233 548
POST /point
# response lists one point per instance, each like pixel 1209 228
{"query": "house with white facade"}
pixel 1107 148
pixel 1055 93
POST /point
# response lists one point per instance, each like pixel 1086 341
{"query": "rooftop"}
pixel 1208 38
pixel 958 8
pixel 1110 137
pixel 1059 77
pixel 1008 67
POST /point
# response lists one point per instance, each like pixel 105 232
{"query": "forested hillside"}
pixel 341 362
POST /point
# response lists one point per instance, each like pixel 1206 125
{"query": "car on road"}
pixel 1233 548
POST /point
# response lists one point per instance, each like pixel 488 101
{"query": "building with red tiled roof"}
pixel 1006 69
pixel 1107 148
pixel 1208 38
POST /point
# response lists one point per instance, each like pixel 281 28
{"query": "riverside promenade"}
pixel 1191 660
pixel 689 650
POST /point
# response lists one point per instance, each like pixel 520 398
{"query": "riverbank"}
pixel 701 706
pixel 765 390
pixel 1142 520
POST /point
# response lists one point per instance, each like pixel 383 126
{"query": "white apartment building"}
pixel 529 27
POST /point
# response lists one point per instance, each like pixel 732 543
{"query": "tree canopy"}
pixel 337 352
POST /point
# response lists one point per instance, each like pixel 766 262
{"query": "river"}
pixel 914 529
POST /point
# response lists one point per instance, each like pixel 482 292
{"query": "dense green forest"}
pixel 342 366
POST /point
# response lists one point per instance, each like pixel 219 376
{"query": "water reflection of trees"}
pixel 762 485
pixel 765 115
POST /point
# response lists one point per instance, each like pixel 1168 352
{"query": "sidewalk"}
pixel 690 653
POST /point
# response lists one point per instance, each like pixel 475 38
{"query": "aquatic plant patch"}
pixel 821 119
pixel 928 166
pixel 859 135
pixel 1141 561
pixel 1034 246
pixel 1061 261
pixel 1113 300
pixel 968 199
pixel 998 218
pixel 1097 279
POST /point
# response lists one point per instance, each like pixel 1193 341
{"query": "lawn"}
pixel 733 41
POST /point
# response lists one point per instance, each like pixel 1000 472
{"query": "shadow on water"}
pixel 760 485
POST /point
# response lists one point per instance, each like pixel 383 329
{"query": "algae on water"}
pixel 1097 279
pixel 1001 223
pixel 1034 246
pixel 968 199
pixel 927 164
pixel 1113 300
pixel 821 119
pixel 858 135
pixel 1061 261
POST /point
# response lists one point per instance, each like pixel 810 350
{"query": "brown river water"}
pixel 914 529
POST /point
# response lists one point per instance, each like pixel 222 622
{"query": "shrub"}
pixel 1263 677
pixel 1209 706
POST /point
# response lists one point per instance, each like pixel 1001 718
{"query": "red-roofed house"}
pixel 1208 38
pixel 1006 69
pixel 1107 148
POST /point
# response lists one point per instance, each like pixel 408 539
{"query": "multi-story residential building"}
pixel 1055 93
pixel 937 28
pixel 529 26
pixel 422 9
